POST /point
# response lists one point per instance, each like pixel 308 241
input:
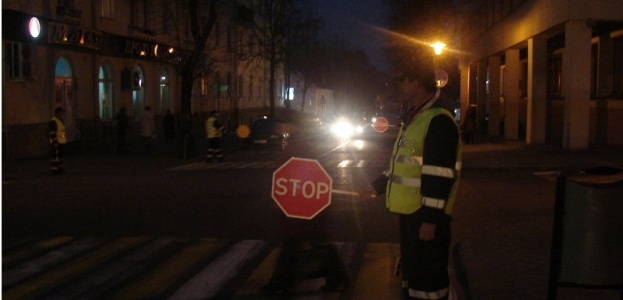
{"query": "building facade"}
pixel 545 70
pixel 94 57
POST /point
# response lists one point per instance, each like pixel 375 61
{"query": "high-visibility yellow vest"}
pixel 61 138
pixel 405 171
pixel 211 131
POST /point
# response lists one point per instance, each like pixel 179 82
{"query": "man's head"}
pixel 416 84
pixel 59 111
pixel 214 113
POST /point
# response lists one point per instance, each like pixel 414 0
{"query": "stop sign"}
pixel 381 124
pixel 301 188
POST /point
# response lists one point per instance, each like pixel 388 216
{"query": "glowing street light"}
pixel 438 47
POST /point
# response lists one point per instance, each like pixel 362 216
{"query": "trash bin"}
pixel 591 225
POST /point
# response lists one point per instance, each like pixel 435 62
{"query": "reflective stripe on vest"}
pixel 406 168
pixel 61 138
pixel 438 294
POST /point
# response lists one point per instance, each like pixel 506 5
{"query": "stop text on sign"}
pixel 309 189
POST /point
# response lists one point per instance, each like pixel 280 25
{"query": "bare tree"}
pixel 269 31
pixel 303 50
pixel 196 61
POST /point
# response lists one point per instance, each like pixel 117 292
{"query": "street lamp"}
pixel 438 47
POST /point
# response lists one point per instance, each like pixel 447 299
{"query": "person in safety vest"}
pixel 421 184
pixel 214 132
pixel 57 140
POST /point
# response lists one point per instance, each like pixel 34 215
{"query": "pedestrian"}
pixel 421 185
pixel 214 132
pixel 122 126
pixel 168 124
pixel 148 128
pixel 58 140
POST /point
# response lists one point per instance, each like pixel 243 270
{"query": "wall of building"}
pixel 510 27
pixel 87 40
pixel 526 36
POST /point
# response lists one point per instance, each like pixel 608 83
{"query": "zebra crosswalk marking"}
pixel 47 260
pixel 177 267
pixel 261 275
pixel 174 269
pixel 71 270
pixel 15 256
pixel 206 284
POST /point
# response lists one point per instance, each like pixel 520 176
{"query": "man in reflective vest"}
pixel 214 132
pixel 57 141
pixel 421 186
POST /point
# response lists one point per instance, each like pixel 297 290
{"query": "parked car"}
pixel 269 134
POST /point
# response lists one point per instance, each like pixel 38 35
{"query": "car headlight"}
pixel 343 129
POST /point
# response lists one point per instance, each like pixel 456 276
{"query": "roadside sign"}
pixel 243 131
pixel 302 188
pixel 442 77
pixel 381 124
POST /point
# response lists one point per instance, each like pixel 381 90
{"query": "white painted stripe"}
pixel 186 166
pixel 231 165
pixel 345 163
pixel 247 165
pixel 51 258
pixel 207 283
pixel 265 164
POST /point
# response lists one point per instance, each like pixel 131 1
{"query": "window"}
pixel 230 38
pixel 617 87
pixel 217 34
pixel 139 13
pixel 240 86
pixel 164 91
pixel 250 86
pixel 18 61
pixel 67 8
pixel 166 17
pixel 554 76
pixel 594 70
pixel 105 93
pixel 523 83
pixel 229 84
pixel 108 9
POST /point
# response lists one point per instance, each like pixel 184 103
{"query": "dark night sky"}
pixel 355 21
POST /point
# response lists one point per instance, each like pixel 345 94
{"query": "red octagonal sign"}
pixel 381 124
pixel 301 188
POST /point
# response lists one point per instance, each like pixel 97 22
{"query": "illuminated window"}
pixel 290 93
pixel 105 93
pixel 164 91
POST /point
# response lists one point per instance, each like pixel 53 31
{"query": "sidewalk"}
pixel 503 220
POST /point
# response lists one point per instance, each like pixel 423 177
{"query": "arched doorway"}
pixel 138 94
pixel 105 93
pixel 64 96
pixel 165 102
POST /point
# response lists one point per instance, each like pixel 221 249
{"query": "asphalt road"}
pixel 132 195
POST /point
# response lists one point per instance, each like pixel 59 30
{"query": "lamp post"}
pixel 440 74
pixel 438 47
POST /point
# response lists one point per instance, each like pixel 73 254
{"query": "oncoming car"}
pixel 344 128
pixel 269 134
